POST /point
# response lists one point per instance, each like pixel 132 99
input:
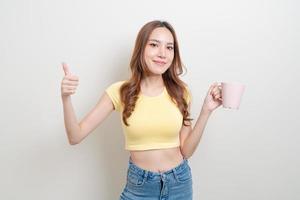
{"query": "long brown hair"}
pixel 176 88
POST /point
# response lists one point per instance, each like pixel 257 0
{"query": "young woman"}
pixel 154 106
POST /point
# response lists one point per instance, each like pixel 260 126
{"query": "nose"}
pixel 162 51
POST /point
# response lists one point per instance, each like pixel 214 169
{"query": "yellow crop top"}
pixel 155 122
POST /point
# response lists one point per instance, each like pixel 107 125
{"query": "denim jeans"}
pixel 174 184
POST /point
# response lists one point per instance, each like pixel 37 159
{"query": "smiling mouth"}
pixel 159 62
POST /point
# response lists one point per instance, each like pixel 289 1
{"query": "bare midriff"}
pixel 157 160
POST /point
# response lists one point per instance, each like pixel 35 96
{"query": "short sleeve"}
pixel 113 91
pixel 187 95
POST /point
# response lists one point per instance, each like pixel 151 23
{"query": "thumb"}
pixel 66 68
pixel 212 87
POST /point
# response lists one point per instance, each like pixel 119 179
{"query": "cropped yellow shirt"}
pixel 155 122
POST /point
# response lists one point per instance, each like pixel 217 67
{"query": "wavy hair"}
pixel 176 88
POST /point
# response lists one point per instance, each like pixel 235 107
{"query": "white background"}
pixel 250 153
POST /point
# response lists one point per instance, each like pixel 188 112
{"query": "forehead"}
pixel 162 34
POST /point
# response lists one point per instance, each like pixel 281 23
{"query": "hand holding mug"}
pixel 227 94
pixel 213 98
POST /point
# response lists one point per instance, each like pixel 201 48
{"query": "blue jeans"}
pixel 174 184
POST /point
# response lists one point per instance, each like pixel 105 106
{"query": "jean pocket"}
pixel 184 175
pixel 134 179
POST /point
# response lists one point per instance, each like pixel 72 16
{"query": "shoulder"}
pixel 113 91
pixel 114 88
pixel 117 84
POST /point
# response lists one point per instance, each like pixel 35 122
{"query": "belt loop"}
pixel 175 174
pixel 145 175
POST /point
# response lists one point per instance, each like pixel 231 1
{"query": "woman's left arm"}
pixel 190 138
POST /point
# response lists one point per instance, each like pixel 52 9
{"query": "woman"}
pixel 154 106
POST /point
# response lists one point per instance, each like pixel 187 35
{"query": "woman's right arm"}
pixel 76 132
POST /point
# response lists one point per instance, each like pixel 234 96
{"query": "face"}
pixel 159 51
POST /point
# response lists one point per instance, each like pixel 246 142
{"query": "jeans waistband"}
pixel 182 166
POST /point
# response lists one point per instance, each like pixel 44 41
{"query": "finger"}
pixel 71 78
pixel 71 83
pixel 68 87
pixel 66 68
pixel 217 96
pixel 217 89
pixel 210 90
pixel 66 81
pixel 214 89
pixel 72 91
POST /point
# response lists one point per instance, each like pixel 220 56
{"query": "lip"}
pixel 159 62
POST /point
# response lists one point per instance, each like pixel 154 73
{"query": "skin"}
pixel 158 57
pixel 159 54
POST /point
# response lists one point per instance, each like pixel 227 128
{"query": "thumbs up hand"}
pixel 69 82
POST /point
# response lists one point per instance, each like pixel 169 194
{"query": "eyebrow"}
pixel 160 41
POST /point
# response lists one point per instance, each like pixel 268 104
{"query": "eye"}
pixel 170 48
pixel 153 44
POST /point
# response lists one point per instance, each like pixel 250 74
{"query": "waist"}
pixel 142 172
pixel 157 160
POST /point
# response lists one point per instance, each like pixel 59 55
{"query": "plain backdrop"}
pixel 250 153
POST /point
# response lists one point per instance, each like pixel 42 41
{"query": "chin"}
pixel 158 72
pixel 160 69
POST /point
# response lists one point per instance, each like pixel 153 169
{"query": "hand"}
pixel 69 82
pixel 213 98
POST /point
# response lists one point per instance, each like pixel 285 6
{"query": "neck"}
pixel 153 82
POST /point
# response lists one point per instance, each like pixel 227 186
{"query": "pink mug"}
pixel 232 93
